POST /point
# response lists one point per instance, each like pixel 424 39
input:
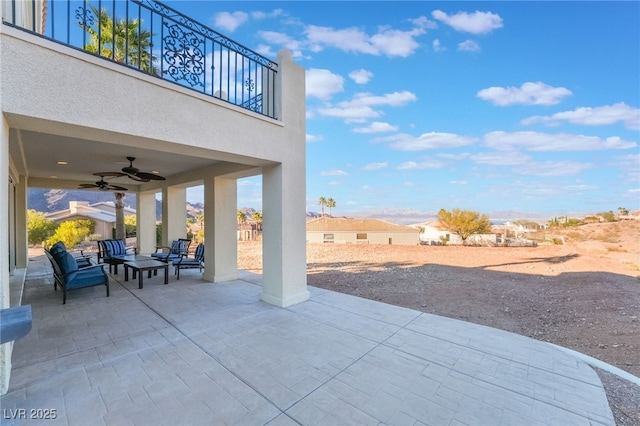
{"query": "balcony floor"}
pixel 193 352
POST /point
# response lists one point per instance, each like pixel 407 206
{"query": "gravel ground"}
pixel 584 295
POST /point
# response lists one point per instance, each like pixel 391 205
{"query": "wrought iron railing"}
pixel 155 39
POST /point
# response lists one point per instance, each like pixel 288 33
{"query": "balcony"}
pixel 157 40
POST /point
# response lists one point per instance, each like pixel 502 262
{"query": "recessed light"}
pixel 155 172
pixel 62 163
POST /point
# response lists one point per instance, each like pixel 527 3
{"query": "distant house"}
pixel 432 234
pixel 103 214
pixel 359 231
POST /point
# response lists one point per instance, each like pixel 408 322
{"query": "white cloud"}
pixel 501 158
pixel 334 172
pixel 375 166
pixel 314 138
pixel 230 21
pixel 284 40
pixel 262 15
pixel 387 41
pixel 469 46
pixel 376 127
pixel 598 116
pixel 537 93
pixel 358 109
pixel 390 99
pixel 351 115
pixel 437 47
pixel 552 168
pixel 413 165
pixel 475 23
pixel 535 141
pixel 433 140
pixel 323 84
pixel 361 76
pixel 458 182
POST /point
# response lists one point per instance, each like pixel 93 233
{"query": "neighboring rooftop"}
pixel 337 224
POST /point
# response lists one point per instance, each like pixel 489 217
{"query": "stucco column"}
pixel 22 243
pixel 220 223
pixel 5 350
pixel 146 222
pixel 174 214
pixel 284 236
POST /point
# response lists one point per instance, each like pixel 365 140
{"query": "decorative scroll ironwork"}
pixel 85 17
pixel 183 55
pixel 254 104
pixel 153 38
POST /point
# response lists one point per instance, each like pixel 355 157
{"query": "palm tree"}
pixel 121 233
pixel 322 202
pixel 122 41
pixel 331 203
pixel 257 218
pixel 242 217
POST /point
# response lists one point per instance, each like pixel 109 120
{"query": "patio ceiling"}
pixel 36 155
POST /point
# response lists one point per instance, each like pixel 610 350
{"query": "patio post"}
pixel 220 224
pixel 146 222
pixel 174 214
pixel 5 302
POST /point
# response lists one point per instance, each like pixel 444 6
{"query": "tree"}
pixel 131 225
pixel 623 211
pixel 242 217
pixel 39 227
pixel 464 223
pixel 122 41
pixel 331 203
pixel 121 230
pixel 322 202
pixel 257 218
pixel 72 232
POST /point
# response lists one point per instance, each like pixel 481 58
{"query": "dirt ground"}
pixel 583 295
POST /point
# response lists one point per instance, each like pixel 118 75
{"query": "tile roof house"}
pixel 359 231
pixel 103 215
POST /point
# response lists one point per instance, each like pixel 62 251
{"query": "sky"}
pixel 487 106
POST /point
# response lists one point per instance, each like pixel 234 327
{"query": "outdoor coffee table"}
pixel 145 264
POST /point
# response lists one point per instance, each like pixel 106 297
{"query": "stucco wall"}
pixel 72 87
pixel 394 238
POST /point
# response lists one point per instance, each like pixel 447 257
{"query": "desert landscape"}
pixel 583 295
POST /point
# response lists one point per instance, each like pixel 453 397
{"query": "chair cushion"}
pixel 86 278
pixel 57 247
pixel 68 265
pixel 115 248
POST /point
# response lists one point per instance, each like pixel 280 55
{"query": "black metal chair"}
pixel 69 276
pixel 185 262
pixel 179 248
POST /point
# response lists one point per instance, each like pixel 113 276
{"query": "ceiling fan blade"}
pixel 149 176
pixel 110 174
pixel 136 177
pixel 88 185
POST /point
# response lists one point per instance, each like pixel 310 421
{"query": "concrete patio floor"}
pixel 196 353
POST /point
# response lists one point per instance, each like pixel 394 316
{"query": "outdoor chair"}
pixel 179 248
pixel 68 276
pixel 114 252
pixel 83 260
pixel 186 262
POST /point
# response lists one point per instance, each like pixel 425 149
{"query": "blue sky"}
pixel 489 106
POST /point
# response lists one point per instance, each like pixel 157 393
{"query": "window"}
pixel 328 238
pixel 361 236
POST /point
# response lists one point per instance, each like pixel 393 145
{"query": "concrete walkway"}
pixel 196 353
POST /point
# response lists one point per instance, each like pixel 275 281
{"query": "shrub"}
pixel 72 232
pixel 39 227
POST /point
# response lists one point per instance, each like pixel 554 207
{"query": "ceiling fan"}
pixel 103 185
pixel 133 173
